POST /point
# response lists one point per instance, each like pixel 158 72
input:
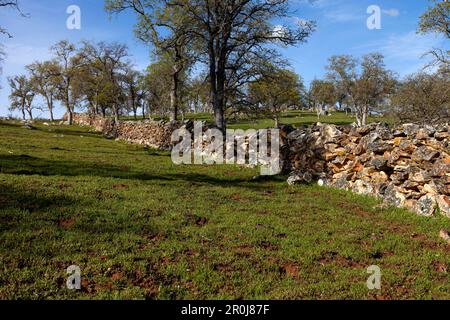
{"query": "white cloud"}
pixel 20 55
pixel 318 3
pixel 392 12
pixel 343 16
pixel 410 46
pixel 279 31
pixel 404 52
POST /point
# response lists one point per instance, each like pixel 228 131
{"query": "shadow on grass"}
pixel 12 197
pixel 75 133
pixel 28 165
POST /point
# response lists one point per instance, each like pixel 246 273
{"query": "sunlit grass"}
pixel 141 227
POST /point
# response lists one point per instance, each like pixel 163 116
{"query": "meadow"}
pixel 140 227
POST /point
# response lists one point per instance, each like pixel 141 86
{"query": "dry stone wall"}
pixel 155 134
pixel 407 166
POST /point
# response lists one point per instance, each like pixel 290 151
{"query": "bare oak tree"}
pixel 168 29
pixel 22 95
pixel 69 62
pixel 423 98
pixel 437 20
pixel 44 80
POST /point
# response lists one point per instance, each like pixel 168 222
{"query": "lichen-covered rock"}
pixel 363 187
pixel 408 166
pixel 426 206
pixel 300 177
pixel 393 196
pixel 424 153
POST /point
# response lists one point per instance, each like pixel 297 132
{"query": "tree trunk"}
pixel 364 117
pixel 30 114
pixel 70 115
pixel 217 86
pixel 116 113
pixel 67 102
pixel 359 121
pixel 319 112
pixel 50 108
pixel 174 94
pixel 218 100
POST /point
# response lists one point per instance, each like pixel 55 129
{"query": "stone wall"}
pixel 155 134
pixel 408 166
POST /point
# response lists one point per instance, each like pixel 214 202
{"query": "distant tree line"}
pixel 220 57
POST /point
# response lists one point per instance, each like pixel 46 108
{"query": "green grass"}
pixel 293 117
pixel 142 228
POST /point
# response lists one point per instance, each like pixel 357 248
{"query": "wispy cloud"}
pixel 410 46
pixel 404 52
pixel 318 3
pixel 343 16
pixel 391 12
pixel 20 54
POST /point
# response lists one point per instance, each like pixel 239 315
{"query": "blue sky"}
pixel 341 30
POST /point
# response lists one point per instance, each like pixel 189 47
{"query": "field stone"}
pixel 444 205
pixel 424 153
pixel 426 206
pixel 411 129
pixel 445 235
pixel 379 163
pixel 392 195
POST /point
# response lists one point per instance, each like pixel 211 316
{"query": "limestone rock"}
pixel 444 205
pixel 426 206
pixel 424 153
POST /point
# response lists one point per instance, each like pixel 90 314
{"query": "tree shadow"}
pixel 28 165
pixel 13 197
pixel 74 133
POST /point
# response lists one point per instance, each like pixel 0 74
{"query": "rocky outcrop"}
pixel 408 166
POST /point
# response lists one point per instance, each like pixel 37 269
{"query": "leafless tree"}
pixel 14 4
pixel 22 95
pixel 45 81
pixel 230 31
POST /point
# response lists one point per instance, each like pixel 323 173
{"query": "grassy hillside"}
pixel 140 227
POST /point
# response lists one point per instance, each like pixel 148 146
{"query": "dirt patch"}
pixel 117 276
pixel 223 267
pixel 149 284
pixel 201 221
pixel 290 269
pixel 356 209
pixel 329 257
pixel 88 286
pixel 66 224
pixel 441 267
pixel 238 197
pixel 194 219
pixel 268 246
pixel 120 186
